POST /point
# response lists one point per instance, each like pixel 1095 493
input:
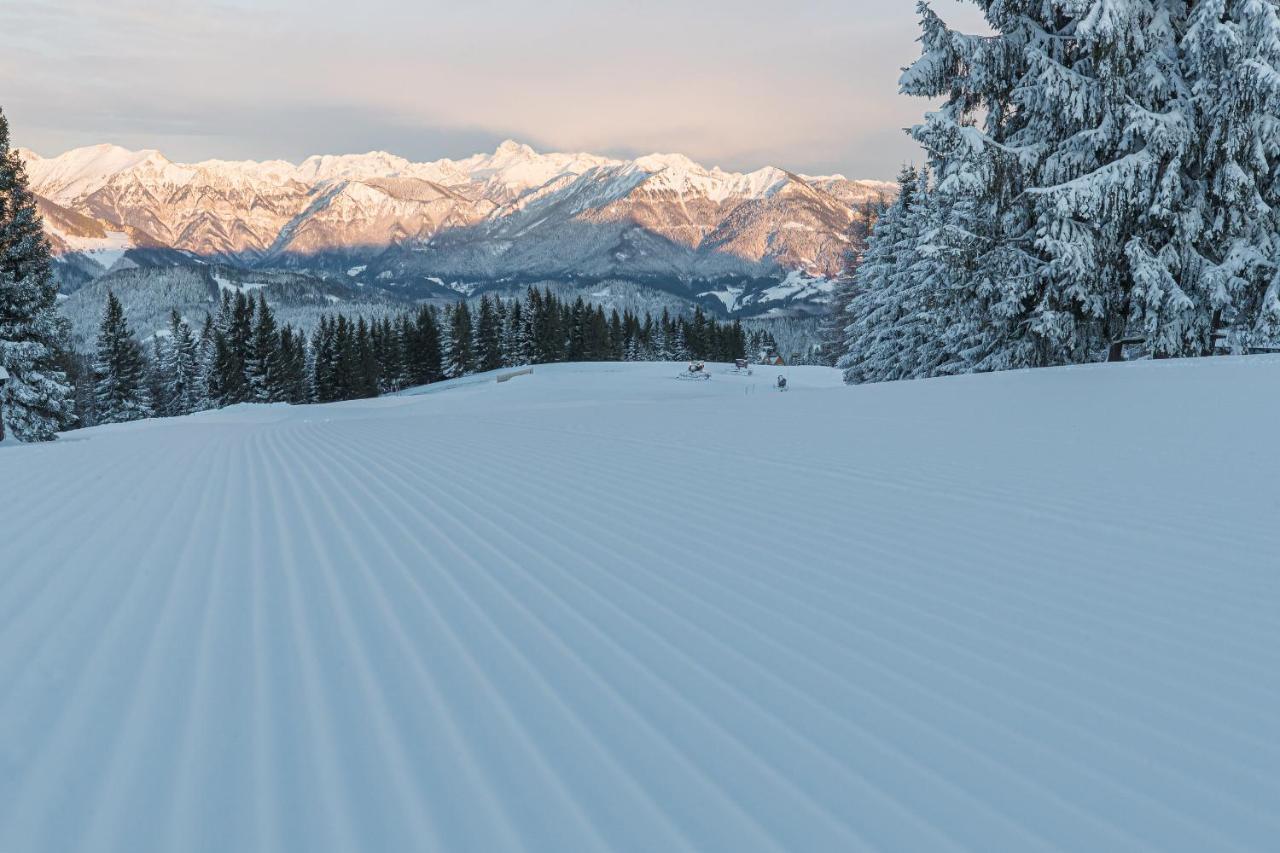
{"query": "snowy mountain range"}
pixel 740 243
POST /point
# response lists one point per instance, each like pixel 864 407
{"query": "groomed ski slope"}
pixel 598 609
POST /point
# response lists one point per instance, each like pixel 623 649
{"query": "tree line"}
pixel 240 354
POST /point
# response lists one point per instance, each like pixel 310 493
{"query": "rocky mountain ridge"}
pixel 488 221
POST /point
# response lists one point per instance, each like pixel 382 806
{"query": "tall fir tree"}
pixel 323 362
pixel 616 337
pixel 206 352
pixel 883 317
pixel 666 338
pixel 346 360
pixel 597 335
pixel 231 371
pixel 293 357
pixel 158 384
pixel 367 368
pixel 516 342
pixel 237 387
pixel 120 369
pixel 461 358
pixel 182 368
pixel 488 335
pixel 1230 54
pixel 430 367
pixel 37 400
pixel 264 368
pixel 831 330
pixel 391 373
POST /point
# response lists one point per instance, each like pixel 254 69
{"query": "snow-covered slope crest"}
pixel 597 609
pixel 512 213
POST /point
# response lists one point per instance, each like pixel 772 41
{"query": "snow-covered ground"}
pixel 106 250
pixel 598 609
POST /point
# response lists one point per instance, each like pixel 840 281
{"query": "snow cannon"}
pixel 782 382
pixel 740 367
pixel 697 370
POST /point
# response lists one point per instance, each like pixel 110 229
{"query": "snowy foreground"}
pixel 598 609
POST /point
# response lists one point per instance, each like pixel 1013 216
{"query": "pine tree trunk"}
pixel 1215 332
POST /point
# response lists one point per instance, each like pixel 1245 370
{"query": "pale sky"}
pixel 807 85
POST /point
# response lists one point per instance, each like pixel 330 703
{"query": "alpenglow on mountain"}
pixel 739 243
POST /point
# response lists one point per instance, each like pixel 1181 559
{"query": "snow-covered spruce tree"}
pixel 214 352
pixel 515 338
pixel 446 341
pixel 577 345
pixel 1230 54
pixel 487 339
pixel 367 367
pixel 877 309
pixel 389 346
pixel 293 354
pixel 264 368
pixel 432 343
pixel 531 309
pixel 158 383
pixel 648 339
pixel 323 368
pixel 234 361
pixel 1103 167
pixel 120 369
pixel 206 354
pixel 1110 194
pixel 460 359
pixel 974 264
pixel 500 308
pixel 423 359
pixel 81 376
pixel 37 400
pixel 346 360
pixel 550 328
pixel 182 368
pixel 227 384
pixel 831 330
pixel 665 343
pixel 680 334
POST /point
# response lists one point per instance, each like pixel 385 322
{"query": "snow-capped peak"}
pixel 679 174
pixel 674 162
pixel 374 164
pixel 509 148
pixel 81 171
pixel 514 168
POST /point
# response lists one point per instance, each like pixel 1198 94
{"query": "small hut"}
pixel 770 359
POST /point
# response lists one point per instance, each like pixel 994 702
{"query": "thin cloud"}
pixel 809 87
